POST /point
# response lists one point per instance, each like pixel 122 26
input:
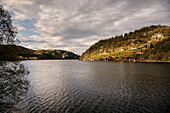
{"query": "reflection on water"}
pixel 13 85
pixel 71 86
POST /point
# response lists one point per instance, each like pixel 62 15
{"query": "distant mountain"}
pixel 11 52
pixel 148 44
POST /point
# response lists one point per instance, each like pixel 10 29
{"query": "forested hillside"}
pixel 25 53
pixel 12 52
pixel 146 44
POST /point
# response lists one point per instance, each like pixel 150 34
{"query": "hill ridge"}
pixel 13 52
pixel 146 44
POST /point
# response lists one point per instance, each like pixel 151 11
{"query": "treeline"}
pixel 8 52
pixel 161 52
pixel 13 52
pixel 142 37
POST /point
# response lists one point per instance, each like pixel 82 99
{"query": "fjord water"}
pixel 72 86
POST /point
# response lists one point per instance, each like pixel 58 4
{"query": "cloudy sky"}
pixel 75 25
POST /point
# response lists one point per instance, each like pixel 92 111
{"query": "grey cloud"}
pixel 33 41
pixel 63 23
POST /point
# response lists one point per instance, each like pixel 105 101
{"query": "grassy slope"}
pixel 140 40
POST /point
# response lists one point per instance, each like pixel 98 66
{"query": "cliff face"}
pixel 146 44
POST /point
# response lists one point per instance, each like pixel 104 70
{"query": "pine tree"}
pixel 151 45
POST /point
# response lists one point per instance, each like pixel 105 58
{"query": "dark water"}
pixel 71 86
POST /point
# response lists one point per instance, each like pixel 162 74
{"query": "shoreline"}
pixel 133 62
pixel 92 61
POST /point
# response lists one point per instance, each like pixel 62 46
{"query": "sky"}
pixel 75 25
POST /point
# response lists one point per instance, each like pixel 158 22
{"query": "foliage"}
pixel 7 36
pixel 13 52
pixel 133 45
pixel 55 54
pixel 13 85
pixel 8 52
pixel 151 45
pixel 161 51
pixel 7 30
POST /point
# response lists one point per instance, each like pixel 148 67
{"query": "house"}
pixel 139 52
pixel 111 50
pixel 121 57
pixel 131 47
pixel 92 59
pixel 142 46
pixel 121 49
pixel 126 57
pixel 96 59
pixel 130 60
pixel 113 57
pixel 133 60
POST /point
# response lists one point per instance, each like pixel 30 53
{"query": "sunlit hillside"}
pixel 146 44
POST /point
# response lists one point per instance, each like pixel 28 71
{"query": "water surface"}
pixel 72 86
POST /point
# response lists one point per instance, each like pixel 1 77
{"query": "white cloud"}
pixel 21 28
pixel 76 24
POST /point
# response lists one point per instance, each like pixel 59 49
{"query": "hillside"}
pixel 11 52
pixel 8 53
pixel 148 44
pixel 25 53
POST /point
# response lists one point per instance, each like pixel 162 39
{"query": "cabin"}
pixel 121 49
pixel 142 46
pixel 133 60
pixel 96 59
pixel 131 47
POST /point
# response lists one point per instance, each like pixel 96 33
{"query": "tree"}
pixel 7 30
pixel 13 86
pixel 151 45
pixel 145 46
pixel 125 34
pixel 130 33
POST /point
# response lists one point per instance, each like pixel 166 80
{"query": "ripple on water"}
pixel 74 86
